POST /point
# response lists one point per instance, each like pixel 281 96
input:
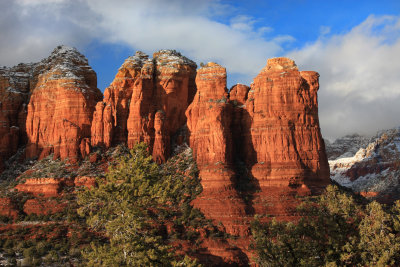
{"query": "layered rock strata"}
pixel 257 148
pixel 16 84
pixel 282 145
pixel 268 135
pixel 146 102
pixel 284 131
pixel 61 106
pixel 44 187
pixel 52 187
pixel 209 120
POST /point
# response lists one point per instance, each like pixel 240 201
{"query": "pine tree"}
pixel 124 208
pixel 335 230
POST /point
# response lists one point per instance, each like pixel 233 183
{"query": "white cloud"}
pixel 360 77
pixel 186 26
pixel 324 30
pixel 30 30
pixel 37 26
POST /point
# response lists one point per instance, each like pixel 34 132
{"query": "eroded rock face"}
pixel 281 141
pixel 259 147
pixel 44 187
pixel 86 181
pixel 284 130
pixel 110 118
pixel 256 147
pixel 209 121
pixel 16 84
pixel 146 102
pixel 61 106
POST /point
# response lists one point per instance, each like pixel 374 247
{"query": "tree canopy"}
pixel 129 207
pixel 334 230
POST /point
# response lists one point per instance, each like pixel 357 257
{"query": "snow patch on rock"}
pixel 374 168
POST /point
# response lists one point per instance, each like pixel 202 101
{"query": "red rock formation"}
pixel 256 147
pixel 146 102
pixel 142 107
pixel 7 208
pixel 284 130
pixel 280 139
pixel 275 136
pixel 15 86
pixel 61 106
pixel 44 187
pixel 240 121
pixel 208 119
pixel 173 91
pixel 111 116
pixel 102 125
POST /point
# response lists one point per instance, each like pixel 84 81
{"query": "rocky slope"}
pixel 374 170
pixel 346 146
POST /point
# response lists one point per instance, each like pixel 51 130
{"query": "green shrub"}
pixel 337 228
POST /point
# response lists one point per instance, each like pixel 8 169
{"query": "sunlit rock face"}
pixel 283 147
pixel 60 110
pixel 146 102
pixel 209 119
pixel 257 147
pixel 265 137
pixel 285 132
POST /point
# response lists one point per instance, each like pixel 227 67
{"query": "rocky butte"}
pixel 61 107
pixel 48 106
pixel 256 147
pixel 146 102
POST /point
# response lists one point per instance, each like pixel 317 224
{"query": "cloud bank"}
pixel 360 70
pixel 34 27
pixel 360 77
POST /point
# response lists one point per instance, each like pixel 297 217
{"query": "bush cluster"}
pixel 335 229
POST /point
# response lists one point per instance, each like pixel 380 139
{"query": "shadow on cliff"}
pixel 313 179
pixel 244 158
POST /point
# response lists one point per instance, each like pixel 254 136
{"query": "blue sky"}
pixel 352 44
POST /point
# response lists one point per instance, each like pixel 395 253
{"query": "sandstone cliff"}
pixel 146 102
pixel 257 148
pixel 16 84
pixel 209 121
pixel 61 107
pixel 281 141
pixel 268 135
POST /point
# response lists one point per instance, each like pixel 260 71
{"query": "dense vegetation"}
pixel 135 204
pixel 140 215
pixel 335 229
